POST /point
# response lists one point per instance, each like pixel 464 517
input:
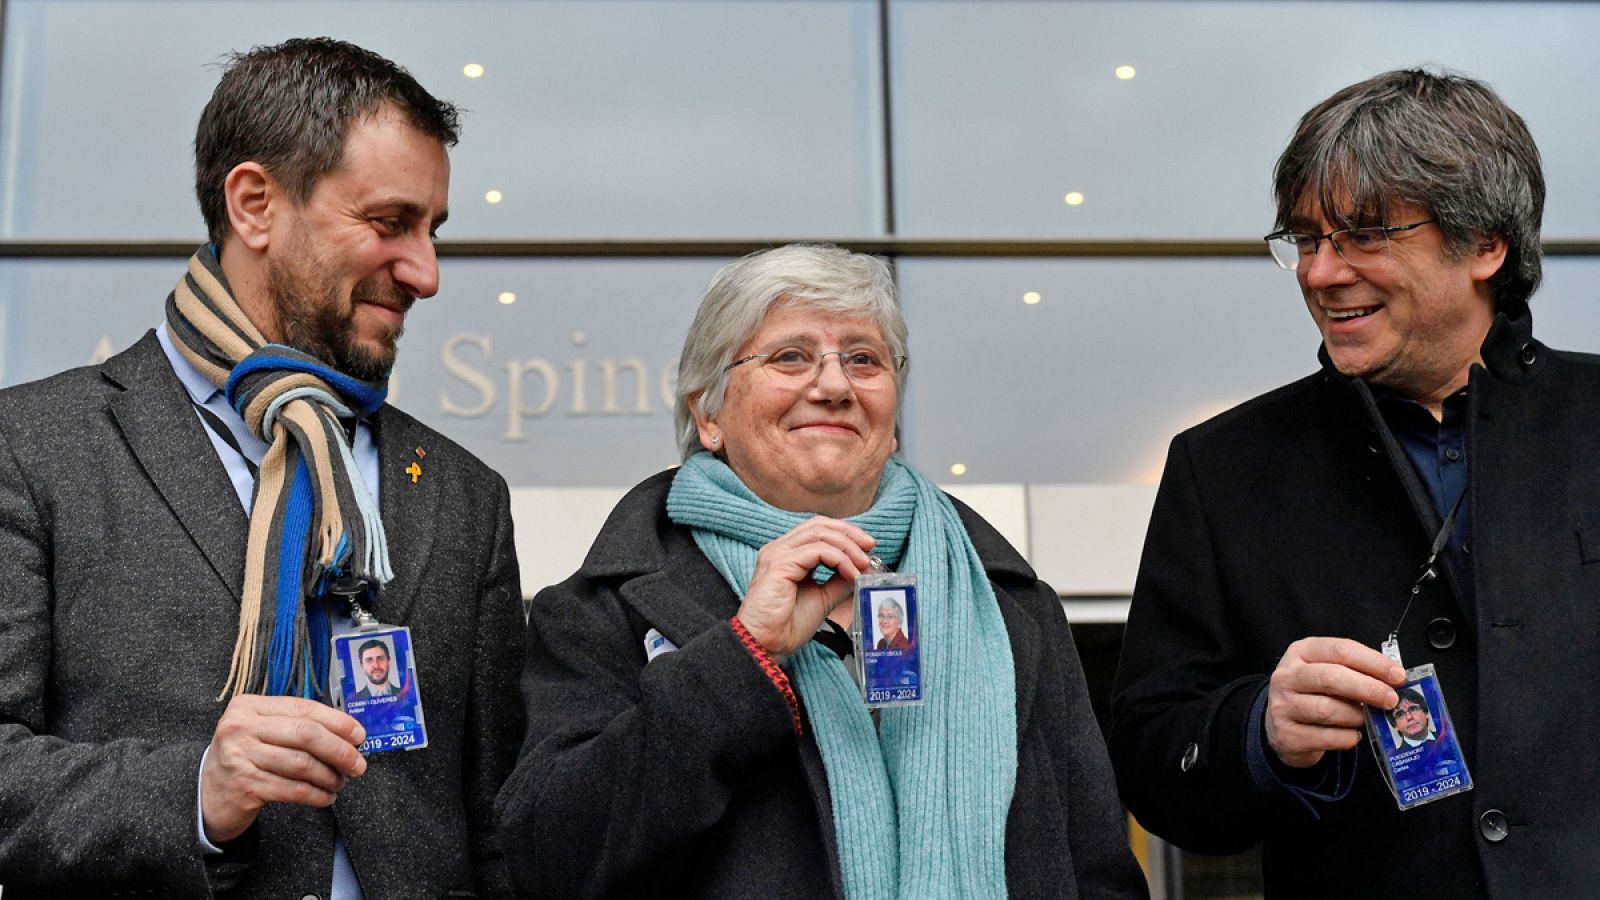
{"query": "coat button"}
pixel 1191 755
pixel 1493 826
pixel 1452 454
pixel 1528 354
pixel 1441 633
pixel 310 897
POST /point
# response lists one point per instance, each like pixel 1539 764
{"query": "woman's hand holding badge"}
pixel 1315 697
pixel 784 606
pixel 275 750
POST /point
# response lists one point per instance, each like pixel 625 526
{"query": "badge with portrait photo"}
pixel 887 636
pixel 1416 744
pixel 375 681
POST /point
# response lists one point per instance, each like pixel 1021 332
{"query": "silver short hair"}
pixel 1441 142
pixel 823 277
pixel 894 606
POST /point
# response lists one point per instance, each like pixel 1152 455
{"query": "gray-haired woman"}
pixel 694 729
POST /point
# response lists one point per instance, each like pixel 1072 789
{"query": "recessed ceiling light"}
pixel 472 70
pixel 1030 297
pixel 507 298
pixel 958 469
pixel 493 197
pixel 1073 198
pixel 1126 73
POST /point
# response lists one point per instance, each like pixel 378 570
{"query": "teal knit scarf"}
pixel 934 781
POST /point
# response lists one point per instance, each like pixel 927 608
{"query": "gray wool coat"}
pixel 121 558
pixel 683 777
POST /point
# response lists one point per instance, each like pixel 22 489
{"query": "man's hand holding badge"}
pixel 275 750
pixel 1325 691
pixel 1315 697
pixel 297 750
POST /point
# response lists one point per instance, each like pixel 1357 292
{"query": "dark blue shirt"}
pixel 1438 452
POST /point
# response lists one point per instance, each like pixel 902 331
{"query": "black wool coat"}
pixel 1297 514
pixel 683 776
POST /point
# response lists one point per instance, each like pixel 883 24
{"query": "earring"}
pixel 715 440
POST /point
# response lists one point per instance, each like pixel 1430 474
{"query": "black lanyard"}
pixel 221 430
pixel 1429 573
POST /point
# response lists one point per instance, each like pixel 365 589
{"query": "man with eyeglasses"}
pixel 1290 534
pixel 1411 719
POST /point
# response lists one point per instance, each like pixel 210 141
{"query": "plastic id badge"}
pixel 1416 743
pixel 376 683
pixel 887 635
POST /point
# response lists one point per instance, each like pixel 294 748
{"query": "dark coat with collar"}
pixel 122 546
pixel 683 777
pixel 1297 514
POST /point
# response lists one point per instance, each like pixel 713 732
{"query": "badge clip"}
pixel 1391 648
pixel 352 591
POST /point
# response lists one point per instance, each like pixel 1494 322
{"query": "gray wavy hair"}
pixel 893 606
pixel 823 277
pixel 1442 142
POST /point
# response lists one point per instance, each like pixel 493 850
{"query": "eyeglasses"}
pixel 1400 712
pixel 864 366
pixel 1357 246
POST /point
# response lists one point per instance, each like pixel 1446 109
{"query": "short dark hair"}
pixel 1439 141
pixel 1412 694
pixel 362 650
pixel 289 108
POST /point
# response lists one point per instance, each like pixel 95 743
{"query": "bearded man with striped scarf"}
pixel 171 522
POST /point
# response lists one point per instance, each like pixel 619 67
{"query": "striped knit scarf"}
pixel 313 517
pixel 932 781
